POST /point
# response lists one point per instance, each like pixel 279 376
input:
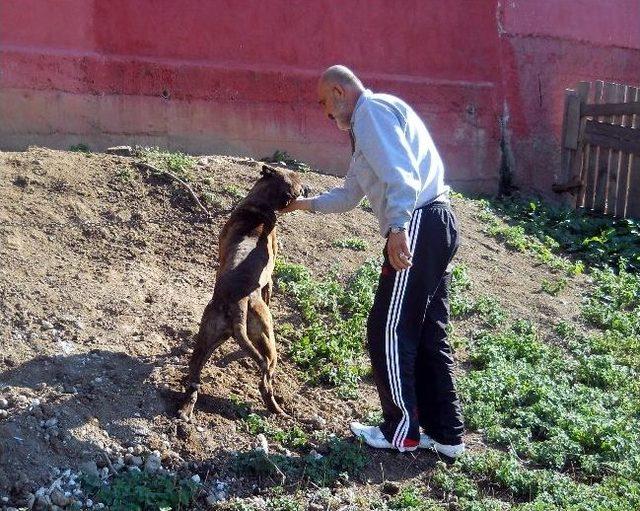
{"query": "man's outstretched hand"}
pixel 398 250
pixel 298 204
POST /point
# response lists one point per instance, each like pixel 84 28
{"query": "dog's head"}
pixel 279 187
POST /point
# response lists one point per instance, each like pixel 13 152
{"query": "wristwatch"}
pixel 395 229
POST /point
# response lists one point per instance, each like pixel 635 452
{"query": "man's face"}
pixel 334 103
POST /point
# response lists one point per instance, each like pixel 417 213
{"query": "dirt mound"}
pixel 104 273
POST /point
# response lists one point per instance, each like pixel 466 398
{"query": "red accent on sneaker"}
pixel 410 443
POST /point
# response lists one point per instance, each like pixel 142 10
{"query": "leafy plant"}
pixel 177 162
pixel 233 191
pixel 554 287
pixel 340 457
pixel 330 345
pixel 352 243
pixel 293 437
pixel 140 491
pixel 79 148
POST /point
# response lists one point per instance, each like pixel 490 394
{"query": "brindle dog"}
pixel 240 303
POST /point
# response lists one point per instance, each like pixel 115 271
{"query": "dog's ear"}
pixel 267 171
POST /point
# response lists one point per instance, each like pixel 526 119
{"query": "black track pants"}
pixel 410 354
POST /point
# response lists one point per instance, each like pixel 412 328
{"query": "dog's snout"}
pixel 306 191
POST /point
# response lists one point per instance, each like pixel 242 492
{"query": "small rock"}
pixel 153 463
pixel 390 488
pixel 118 464
pixel 89 468
pixel 3 403
pixel 120 150
pixel 41 503
pixel 212 500
pixel 137 449
pixel 4 414
pixel 88 503
pixel 262 444
pixel 318 422
pixel 46 325
pixel 51 422
pixel 200 429
pixel 134 461
pixel 195 478
pixel 134 469
pixel 314 506
pixel 58 498
pixel 315 454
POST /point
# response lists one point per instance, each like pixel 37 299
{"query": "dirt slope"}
pixel 104 272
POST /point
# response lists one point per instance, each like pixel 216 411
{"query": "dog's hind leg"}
pixel 260 329
pixel 252 329
pixel 267 291
pixel 214 331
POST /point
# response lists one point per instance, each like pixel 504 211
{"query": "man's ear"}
pixel 338 91
pixel 267 171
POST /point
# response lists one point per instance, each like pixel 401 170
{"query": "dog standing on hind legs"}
pixel 240 303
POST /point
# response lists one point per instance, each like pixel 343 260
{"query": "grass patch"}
pixel 79 148
pixel 330 345
pixel 515 237
pixel 338 459
pixel 178 163
pixel 129 491
pixel 357 244
pixel 233 191
pixel 293 438
pixel 554 287
pixel 598 241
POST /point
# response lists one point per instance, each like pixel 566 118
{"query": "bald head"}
pixel 341 75
pixel 338 92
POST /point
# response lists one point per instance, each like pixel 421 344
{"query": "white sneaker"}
pixel 426 442
pixel 371 435
pixel 450 451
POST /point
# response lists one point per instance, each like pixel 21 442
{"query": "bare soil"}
pixel 104 273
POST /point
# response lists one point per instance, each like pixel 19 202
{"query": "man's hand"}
pixel 297 204
pixel 398 250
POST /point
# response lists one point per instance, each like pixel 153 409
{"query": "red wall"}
pixel 547 46
pixel 239 76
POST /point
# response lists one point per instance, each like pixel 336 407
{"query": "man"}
pixel 397 166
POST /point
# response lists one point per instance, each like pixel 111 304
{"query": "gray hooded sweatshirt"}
pixel 395 164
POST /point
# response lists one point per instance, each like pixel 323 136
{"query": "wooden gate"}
pixel 601 148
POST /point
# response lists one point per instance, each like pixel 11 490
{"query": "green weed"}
pixel 340 458
pixel 554 287
pixel 233 191
pixel 366 205
pixel 597 241
pixel 411 499
pixel 79 148
pixel 129 491
pixel 330 346
pixel 292 438
pixel 516 238
pixel 352 243
pixel 177 162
